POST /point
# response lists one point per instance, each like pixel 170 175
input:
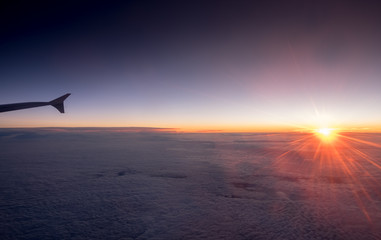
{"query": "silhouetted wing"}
pixel 58 103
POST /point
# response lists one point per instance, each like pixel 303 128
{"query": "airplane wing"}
pixel 58 103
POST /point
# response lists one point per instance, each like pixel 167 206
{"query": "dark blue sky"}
pixel 193 64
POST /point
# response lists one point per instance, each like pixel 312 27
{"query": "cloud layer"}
pixel 164 185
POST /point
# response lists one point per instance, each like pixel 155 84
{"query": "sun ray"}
pixel 328 154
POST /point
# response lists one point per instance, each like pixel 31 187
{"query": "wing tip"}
pixel 58 103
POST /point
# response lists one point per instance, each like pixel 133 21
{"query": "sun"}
pixel 325 134
pixel 325 131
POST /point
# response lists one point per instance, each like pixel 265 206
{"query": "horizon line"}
pixel 184 130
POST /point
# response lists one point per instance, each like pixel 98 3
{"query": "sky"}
pixel 193 65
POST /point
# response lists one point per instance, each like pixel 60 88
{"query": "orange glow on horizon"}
pixel 181 126
pixel 201 128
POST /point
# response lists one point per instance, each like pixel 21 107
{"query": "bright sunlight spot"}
pixel 325 134
pixel 325 131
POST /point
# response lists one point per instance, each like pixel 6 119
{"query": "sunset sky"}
pixel 194 65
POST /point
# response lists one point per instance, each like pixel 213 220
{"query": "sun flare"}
pixel 325 134
pixel 338 156
pixel 325 131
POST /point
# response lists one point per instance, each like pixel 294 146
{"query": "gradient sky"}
pixel 199 65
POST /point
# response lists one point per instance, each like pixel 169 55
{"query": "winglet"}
pixel 58 103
